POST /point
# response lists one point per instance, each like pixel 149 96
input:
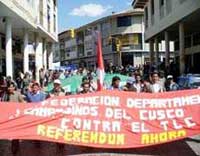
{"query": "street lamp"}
pixel 118 47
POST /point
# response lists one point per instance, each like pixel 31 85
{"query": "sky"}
pixel 75 13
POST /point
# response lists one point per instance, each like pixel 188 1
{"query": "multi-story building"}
pixel 125 28
pixel 174 20
pixel 28 31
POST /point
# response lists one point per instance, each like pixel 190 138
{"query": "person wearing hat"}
pixel 35 94
pixel 171 85
pixel 57 89
pixel 129 84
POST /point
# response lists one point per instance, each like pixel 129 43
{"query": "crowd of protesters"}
pixel 141 79
pixel 24 89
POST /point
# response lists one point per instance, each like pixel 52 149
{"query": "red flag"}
pixel 100 69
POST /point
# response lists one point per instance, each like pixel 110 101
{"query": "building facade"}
pixel 28 31
pixel 178 21
pixel 125 27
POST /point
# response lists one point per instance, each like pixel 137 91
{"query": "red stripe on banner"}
pixel 107 119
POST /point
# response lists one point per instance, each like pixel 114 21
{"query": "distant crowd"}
pixel 140 79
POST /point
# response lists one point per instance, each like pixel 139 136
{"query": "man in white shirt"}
pixel 156 86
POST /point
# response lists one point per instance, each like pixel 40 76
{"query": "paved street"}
pixel 188 147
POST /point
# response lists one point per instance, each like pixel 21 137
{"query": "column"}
pixel 120 58
pixel 38 57
pixel 182 48
pixel 151 44
pixel 167 52
pixel 143 31
pixel 26 52
pixel 44 54
pixel 50 56
pixel 156 51
pixel 9 57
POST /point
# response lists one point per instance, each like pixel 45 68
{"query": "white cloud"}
pixel 90 10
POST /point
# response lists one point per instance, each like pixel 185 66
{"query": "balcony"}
pixel 132 47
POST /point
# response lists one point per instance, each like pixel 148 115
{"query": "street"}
pixel 187 147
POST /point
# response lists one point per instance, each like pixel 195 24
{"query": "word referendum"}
pixel 77 136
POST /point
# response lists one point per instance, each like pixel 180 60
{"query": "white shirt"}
pixel 156 88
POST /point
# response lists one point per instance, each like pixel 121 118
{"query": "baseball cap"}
pixel 169 77
pixel 130 80
pixel 57 81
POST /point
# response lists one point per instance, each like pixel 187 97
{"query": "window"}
pixel 48 12
pixel 196 39
pixel 3 43
pixel 88 45
pixel 188 42
pixel 88 32
pixel 146 16
pixel 48 17
pixel 105 29
pixel 168 6
pixel 161 2
pixel 41 11
pixel 152 12
pixel 54 23
pixel 152 7
pixel 176 46
pixel 134 41
pixel 161 8
pixel 124 21
pixel 54 3
pixel 95 28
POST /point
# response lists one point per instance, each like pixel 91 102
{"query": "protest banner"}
pixel 107 119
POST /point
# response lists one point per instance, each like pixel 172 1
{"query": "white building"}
pixel 178 21
pixel 126 27
pixel 28 31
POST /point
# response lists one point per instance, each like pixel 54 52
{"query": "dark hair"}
pixel 35 84
pixel 11 84
pixel 85 83
pixel 137 74
pixel 155 72
pixel 115 78
pixel 85 78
